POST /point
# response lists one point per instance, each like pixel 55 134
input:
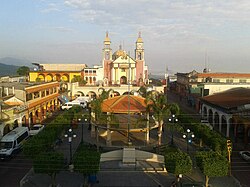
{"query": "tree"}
pixel 212 164
pixel 143 91
pixel 86 161
pixel 157 103
pixel 49 163
pixel 178 162
pixel 80 79
pixel 23 71
pixel 96 104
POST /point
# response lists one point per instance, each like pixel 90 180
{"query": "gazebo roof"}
pixel 124 104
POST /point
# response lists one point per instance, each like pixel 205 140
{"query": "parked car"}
pixel 12 142
pixel 245 155
pixel 69 105
pixel 36 129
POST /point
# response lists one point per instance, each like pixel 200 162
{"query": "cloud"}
pixel 62 29
pixel 51 7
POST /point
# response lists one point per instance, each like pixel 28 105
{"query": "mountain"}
pixel 8 70
pixel 15 62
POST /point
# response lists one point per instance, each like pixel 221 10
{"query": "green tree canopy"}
pixel 23 71
pixel 49 163
pixel 78 78
pixel 86 161
pixel 178 162
pixel 212 164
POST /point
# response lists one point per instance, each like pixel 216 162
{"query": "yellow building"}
pixel 25 104
pixel 55 72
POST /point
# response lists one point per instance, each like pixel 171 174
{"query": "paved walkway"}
pixel 115 175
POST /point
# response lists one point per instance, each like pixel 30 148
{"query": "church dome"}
pixel 119 53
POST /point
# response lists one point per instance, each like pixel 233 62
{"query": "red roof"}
pixel 224 75
pixel 124 104
pixel 230 98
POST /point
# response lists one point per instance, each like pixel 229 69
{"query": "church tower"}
pixel 107 57
pixel 139 51
pixel 141 73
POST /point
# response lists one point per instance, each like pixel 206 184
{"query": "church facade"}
pixel 120 68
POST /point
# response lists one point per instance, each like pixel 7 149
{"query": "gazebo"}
pixel 128 105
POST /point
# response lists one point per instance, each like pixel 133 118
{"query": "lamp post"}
pixel 188 136
pixel 173 119
pixel 84 123
pixel 70 135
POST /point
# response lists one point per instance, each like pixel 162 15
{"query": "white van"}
pixel 69 105
pixel 12 142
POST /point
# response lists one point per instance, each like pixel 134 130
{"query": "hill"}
pixel 8 70
pixel 15 61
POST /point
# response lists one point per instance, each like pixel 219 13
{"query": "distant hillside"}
pixel 15 62
pixel 8 70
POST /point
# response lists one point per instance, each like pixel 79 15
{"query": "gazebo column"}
pixel 220 121
pixel 108 140
pixel 228 127
pixel 147 131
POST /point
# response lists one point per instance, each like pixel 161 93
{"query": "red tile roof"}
pixel 224 75
pixel 230 98
pixel 124 104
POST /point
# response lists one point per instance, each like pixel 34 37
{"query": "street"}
pixel 13 170
pixel 240 169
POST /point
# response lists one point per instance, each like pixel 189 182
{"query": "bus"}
pixel 12 142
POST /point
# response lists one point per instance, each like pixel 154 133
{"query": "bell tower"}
pixel 107 51
pixel 139 51
pixel 107 58
pixel 140 63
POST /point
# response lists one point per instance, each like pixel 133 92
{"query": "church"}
pixel 120 68
pixel 117 68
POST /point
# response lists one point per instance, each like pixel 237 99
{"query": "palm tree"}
pixel 157 103
pixel 96 104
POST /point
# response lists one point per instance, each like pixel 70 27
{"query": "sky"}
pixel 178 35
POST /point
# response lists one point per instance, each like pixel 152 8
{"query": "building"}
pixel 120 68
pixel 25 104
pixel 191 86
pixel 116 69
pixel 55 72
pixel 228 113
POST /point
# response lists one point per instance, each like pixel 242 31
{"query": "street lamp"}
pixel 188 136
pixel 84 123
pixel 173 119
pixel 70 135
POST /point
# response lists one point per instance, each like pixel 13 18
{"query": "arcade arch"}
pixel 41 77
pixel 48 78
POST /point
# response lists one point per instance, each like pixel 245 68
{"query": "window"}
pixel 94 71
pixel 22 137
pixel 122 70
pixel 216 80
pixel 29 97
pixel 43 93
pixel 47 92
pixel 36 95
pixel 229 81
pixel 243 81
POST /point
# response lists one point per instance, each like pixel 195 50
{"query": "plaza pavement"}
pixel 112 174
